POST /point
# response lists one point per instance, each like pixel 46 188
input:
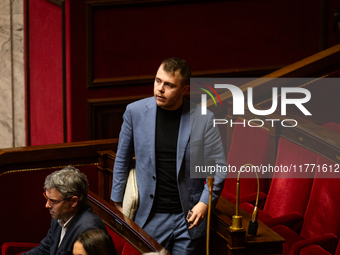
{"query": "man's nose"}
pixel 161 87
pixel 48 205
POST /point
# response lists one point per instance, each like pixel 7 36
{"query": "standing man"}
pixel 66 199
pixel 167 133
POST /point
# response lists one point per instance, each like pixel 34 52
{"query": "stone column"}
pixel 12 85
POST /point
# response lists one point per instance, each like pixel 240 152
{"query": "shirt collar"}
pixel 64 224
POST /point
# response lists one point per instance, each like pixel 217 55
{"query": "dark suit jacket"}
pixel 84 220
pixel 198 140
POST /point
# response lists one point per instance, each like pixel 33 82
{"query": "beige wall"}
pixel 12 88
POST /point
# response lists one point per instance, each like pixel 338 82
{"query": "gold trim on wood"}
pixel 45 168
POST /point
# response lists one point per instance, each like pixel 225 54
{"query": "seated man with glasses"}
pixel 66 199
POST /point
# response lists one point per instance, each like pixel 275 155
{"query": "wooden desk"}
pixel 226 241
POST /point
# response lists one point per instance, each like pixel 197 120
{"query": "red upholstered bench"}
pixel 288 197
pixel 12 248
pixel 320 226
pixel 313 249
pixel 122 246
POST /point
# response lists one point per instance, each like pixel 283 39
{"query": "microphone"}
pixel 253 224
pixel 237 219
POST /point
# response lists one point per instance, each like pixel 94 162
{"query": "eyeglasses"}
pixel 52 201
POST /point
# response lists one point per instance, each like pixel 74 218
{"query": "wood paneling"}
pixel 126 40
pixel 105 116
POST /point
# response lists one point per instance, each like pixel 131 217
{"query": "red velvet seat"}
pixel 12 248
pixel 249 145
pixel 121 245
pixel 283 205
pixel 321 224
pixel 313 250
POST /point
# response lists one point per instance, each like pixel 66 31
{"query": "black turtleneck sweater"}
pixel 167 198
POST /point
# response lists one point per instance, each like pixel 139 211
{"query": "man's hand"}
pixel 199 211
pixel 119 206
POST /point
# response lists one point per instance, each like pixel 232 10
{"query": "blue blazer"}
pixel 84 220
pixel 197 141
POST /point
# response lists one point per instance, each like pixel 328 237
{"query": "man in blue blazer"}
pixel 66 195
pixel 169 137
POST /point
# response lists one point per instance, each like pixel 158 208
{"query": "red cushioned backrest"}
pixel 121 245
pixel 249 145
pixel 313 250
pixel 322 213
pixel 337 252
pixel 290 195
pixel 129 250
pixel 118 241
pixel 12 248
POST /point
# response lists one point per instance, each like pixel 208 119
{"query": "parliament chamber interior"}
pixel 86 60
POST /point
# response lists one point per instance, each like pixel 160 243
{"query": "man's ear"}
pixel 186 89
pixel 75 201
